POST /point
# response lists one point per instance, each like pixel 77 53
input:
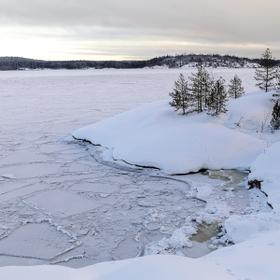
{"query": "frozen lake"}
pixel 59 203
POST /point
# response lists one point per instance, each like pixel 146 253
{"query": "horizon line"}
pixel 147 59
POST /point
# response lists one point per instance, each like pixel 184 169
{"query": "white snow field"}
pixel 71 203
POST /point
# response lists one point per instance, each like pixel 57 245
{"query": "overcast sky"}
pixel 134 29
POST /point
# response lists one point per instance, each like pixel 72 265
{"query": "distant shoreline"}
pixel 177 61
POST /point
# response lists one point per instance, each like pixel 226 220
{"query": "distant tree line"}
pixel 18 63
pixel 215 60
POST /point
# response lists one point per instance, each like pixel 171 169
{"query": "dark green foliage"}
pixel 213 60
pixel 201 84
pixel 277 80
pixel 218 98
pixel 181 96
pixel 275 122
pixel 266 73
pixel 204 94
pixel 236 89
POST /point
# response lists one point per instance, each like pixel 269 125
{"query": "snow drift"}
pixel 155 136
pixel 266 169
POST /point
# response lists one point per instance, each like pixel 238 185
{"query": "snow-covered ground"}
pixel 155 136
pixel 65 203
pixel 266 168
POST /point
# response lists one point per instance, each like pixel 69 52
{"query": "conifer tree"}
pixel 218 98
pixel 181 95
pixel 236 89
pixel 277 80
pixel 275 122
pixel 201 83
pixel 265 74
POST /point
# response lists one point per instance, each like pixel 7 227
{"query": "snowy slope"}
pixel 154 135
pixel 158 268
pixel 267 169
pixel 246 227
pixel 252 112
pixel 256 259
pixel 148 268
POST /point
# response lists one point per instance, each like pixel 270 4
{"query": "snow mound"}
pixel 246 227
pixel 159 268
pixel 252 112
pixel 148 268
pixel 255 259
pixel 266 169
pixel 155 136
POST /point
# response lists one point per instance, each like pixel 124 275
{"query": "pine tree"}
pixel 218 98
pixel 181 95
pixel 277 80
pixel 236 89
pixel 265 74
pixel 275 122
pixel 201 88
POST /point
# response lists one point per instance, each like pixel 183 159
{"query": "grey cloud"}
pixel 200 21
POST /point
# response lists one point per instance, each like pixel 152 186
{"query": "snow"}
pixel 149 268
pixel 154 135
pixel 50 183
pixel 63 203
pixel 266 169
pixel 256 259
pixel 177 241
pixel 246 227
pixel 42 272
pixel 252 112
pixel 161 267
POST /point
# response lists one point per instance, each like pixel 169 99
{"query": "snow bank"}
pixel 258 234
pixel 159 268
pixel 256 259
pixel 246 227
pixel 252 112
pixel 155 136
pixel 266 168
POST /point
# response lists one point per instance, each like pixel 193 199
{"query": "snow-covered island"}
pixel 155 136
